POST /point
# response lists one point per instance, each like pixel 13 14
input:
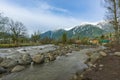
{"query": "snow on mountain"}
pixel 106 26
pixel 84 30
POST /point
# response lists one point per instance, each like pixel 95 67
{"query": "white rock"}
pixel 103 54
pixel 101 65
pixel 18 68
pixel 94 65
pixel 38 58
pixel 117 53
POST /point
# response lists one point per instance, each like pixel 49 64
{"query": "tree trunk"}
pixel 116 26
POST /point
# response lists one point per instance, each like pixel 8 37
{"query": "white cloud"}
pixel 40 17
pixel 45 6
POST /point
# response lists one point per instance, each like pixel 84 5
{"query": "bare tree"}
pixel 35 37
pixel 4 36
pixel 17 30
pixel 3 23
pixel 113 16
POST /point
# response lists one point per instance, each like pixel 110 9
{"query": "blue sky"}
pixel 47 15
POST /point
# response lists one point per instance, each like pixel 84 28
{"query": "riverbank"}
pixel 104 68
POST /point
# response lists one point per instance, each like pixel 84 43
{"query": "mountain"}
pixel 86 30
pixel 105 26
pixel 47 34
pixel 53 34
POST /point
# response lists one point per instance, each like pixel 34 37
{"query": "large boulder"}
pixel 117 53
pixel 18 68
pixel 38 58
pixel 2 70
pixel 8 62
pixel 25 59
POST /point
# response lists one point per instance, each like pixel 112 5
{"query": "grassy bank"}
pixel 18 45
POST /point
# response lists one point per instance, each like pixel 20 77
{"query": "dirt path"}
pixel 106 68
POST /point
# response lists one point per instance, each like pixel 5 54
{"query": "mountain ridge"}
pixel 86 30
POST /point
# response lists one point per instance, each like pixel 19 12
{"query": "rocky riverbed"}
pixel 105 67
pixel 21 59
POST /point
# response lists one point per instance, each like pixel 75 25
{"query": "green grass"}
pixel 7 45
pixel 20 45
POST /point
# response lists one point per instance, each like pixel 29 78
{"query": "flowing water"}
pixel 61 69
pixel 32 50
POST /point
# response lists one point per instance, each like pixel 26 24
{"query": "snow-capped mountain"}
pixel 105 26
pixel 86 30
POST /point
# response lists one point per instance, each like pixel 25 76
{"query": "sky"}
pixel 44 15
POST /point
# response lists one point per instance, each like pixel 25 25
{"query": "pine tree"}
pixel 64 38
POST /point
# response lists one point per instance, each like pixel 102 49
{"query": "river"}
pixel 32 50
pixel 62 68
